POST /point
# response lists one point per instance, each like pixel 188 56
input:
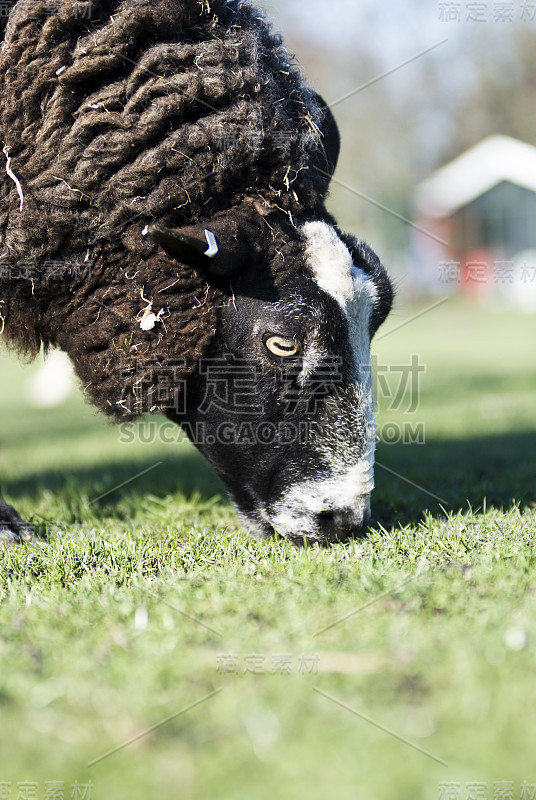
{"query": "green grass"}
pixel 151 599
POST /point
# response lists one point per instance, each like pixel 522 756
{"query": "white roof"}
pixel 494 159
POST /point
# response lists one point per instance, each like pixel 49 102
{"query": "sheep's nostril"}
pixel 340 523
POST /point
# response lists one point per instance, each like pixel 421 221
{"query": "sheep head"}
pixel 281 404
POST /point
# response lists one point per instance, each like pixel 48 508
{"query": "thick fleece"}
pixel 116 116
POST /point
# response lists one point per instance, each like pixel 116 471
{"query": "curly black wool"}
pixel 118 115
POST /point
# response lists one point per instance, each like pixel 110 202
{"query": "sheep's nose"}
pixel 341 523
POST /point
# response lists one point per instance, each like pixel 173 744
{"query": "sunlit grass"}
pixel 142 600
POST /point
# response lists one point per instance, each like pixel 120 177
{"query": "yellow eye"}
pixel 279 346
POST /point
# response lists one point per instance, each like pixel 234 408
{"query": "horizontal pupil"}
pixel 287 347
pixel 281 346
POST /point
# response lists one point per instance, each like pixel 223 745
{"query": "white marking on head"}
pixel 335 273
pixel 329 260
pixel 350 475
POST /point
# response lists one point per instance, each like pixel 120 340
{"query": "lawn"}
pixel 150 649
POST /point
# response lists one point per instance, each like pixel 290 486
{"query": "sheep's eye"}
pixel 279 346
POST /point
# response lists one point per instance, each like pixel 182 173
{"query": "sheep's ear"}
pixel 194 246
pixel 331 139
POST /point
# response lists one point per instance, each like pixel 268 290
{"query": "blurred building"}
pixel 476 224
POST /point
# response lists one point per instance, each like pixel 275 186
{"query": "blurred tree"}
pixel 408 119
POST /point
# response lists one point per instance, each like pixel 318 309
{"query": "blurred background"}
pixel 414 86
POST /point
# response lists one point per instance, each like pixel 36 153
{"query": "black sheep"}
pixel 163 194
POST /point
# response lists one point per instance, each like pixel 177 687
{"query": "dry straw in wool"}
pixel 118 115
